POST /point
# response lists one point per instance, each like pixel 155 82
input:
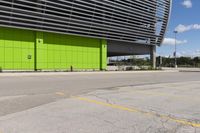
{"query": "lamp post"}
pixel 175 57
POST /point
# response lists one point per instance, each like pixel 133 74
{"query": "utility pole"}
pixel 175 56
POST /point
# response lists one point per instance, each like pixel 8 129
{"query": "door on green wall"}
pixel 16 49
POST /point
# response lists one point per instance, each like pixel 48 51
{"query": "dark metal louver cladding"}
pixel 137 21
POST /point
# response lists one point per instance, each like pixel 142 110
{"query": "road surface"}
pixel 100 102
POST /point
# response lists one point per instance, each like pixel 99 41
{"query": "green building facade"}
pixel 78 34
pixel 33 50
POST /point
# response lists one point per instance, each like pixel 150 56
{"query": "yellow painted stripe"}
pixel 60 93
pixel 119 107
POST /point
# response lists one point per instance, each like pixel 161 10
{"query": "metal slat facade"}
pixel 135 21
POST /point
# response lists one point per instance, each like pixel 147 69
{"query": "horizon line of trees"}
pixel 161 61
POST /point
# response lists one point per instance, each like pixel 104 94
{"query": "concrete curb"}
pixel 14 74
pixel 189 70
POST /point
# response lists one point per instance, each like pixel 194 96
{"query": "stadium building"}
pixel 78 34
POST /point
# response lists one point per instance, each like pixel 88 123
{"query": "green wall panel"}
pixel 30 50
pixel 63 51
pixel 103 52
pixel 15 48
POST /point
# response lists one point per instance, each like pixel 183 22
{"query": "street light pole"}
pixel 175 57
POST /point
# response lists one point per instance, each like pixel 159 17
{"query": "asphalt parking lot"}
pixel 101 103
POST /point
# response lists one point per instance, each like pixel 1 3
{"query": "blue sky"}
pixel 185 18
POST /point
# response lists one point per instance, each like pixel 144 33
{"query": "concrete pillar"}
pixel 153 55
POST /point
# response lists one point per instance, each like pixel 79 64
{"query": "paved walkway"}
pixel 101 102
pixel 158 108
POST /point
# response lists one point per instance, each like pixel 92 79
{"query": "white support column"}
pixel 153 55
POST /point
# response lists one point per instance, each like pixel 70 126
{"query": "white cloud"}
pixel 183 28
pixel 198 51
pixel 187 3
pixel 171 41
pixel 188 53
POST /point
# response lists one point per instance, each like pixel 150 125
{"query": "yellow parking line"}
pixel 119 107
pixel 60 93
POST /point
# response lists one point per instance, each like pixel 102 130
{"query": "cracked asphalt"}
pixel 156 102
